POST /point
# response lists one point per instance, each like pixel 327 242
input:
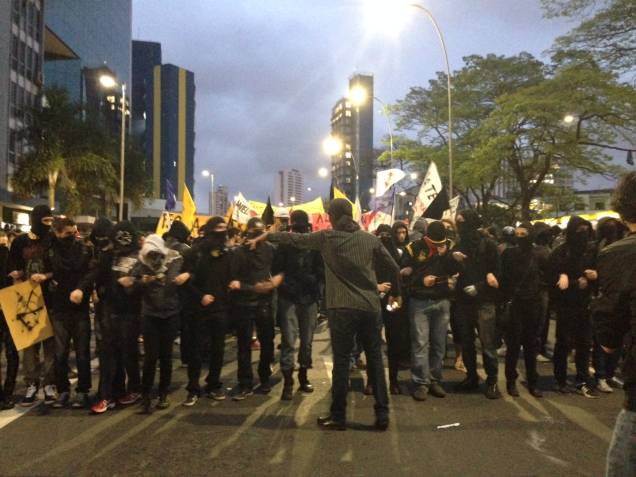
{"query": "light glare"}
pixel 323 172
pixel 386 16
pixel 107 81
pixel 332 146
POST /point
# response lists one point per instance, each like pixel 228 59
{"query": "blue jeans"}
pixel 296 321
pixel 621 457
pixel 429 323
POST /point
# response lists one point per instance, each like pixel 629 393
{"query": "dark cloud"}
pixel 268 72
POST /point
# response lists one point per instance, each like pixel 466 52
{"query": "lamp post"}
pixel 206 173
pixel 109 82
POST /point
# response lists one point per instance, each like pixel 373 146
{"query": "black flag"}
pixel 268 214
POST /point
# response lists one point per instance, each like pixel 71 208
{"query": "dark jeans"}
pixel 481 316
pixel 544 323
pixel 604 363
pixel 296 321
pixel 574 330
pixel 521 330
pixel 186 345
pixel 159 335
pixel 344 324
pixel 429 323
pixel 201 330
pixel 13 360
pixel 73 326
pixel 244 318
pixel 118 353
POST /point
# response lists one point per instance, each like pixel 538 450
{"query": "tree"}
pixel 476 88
pixel 607 30
pixel 526 138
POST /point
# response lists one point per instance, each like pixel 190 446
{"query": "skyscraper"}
pixel 288 187
pixel 21 56
pixel 221 200
pixel 353 125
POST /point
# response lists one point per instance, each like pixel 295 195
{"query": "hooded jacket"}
pixel 572 258
pixel 614 310
pixel 160 297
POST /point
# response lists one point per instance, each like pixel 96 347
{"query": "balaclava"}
pixel 525 243
pixel 124 237
pixel 37 214
pixel 577 241
pixel 299 221
pixel 213 240
pixel 101 233
pixel 153 253
pixel 179 231
pixel 385 234
pixel 469 229
pixel 255 228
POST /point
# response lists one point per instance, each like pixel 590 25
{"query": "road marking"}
pixel 7 417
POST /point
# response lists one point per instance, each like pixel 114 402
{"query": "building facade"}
pixel 289 187
pixel 21 58
pixel 221 201
pixel 353 168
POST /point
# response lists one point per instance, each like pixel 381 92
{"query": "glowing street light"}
pixel 107 81
pixel 372 190
pixel 332 146
pixel 211 205
pixel 358 95
pixel 568 119
pixel 413 176
pixel 323 172
pixel 292 199
pixel 308 189
pixel 205 173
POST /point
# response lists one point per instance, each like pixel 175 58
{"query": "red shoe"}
pixel 130 398
pixel 102 406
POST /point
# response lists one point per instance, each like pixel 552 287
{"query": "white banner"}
pixel 243 211
pixel 430 189
pixel 452 212
pixel 387 179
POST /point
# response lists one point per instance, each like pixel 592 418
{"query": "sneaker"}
pixel 420 393
pixel 217 394
pixel 191 400
pixel 587 391
pixel 164 403
pixel 512 389
pixel 100 407
pixel 264 388
pixel 542 358
pixel 564 388
pixel 62 400
pixel 49 394
pixel 81 401
pixel 242 394
pixel 128 399
pixel 468 384
pixel 7 404
pixel 604 387
pixel 616 382
pixel 492 391
pixel 437 390
pixel 30 396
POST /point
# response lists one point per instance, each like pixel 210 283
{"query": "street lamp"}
pixel 206 173
pixel 568 119
pixel 323 172
pixel 332 145
pixel 292 199
pixel 109 82
pixel 381 12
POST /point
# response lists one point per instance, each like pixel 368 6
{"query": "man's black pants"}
pixel 203 329
pixel 522 329
pixel 159 335
pixel 244 318
pixel 72 325
pixel 574 330
pixel 344 325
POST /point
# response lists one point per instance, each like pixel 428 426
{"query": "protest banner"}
pixel 26 315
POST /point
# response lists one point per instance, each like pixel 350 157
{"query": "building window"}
pixel 599 205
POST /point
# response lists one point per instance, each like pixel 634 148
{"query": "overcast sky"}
pixel 267 72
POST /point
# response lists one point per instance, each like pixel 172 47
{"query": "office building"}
pixel 288 187
pixel 100 35
pixel 221 201
pixel 21 57
pixel 353 125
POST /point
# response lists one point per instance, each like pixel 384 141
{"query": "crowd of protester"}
pixel 501 287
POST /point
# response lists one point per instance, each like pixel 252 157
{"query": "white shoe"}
pixel 541 358
pixel 30 396
pixel 604 387
pixel 616 382
pixel 49 394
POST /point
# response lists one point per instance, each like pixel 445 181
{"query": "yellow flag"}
pixel 189 208
pixel 338 194
pixel 357 210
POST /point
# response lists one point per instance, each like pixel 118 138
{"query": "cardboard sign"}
pixel 26 315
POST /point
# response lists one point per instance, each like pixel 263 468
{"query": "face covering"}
pixel 102 242
pixel 252 234
pixel 215 240
pixel 155 261
pixel 123 238
pixel 67 241
pixel 579 241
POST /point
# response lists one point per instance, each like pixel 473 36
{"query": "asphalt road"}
pixel 554 436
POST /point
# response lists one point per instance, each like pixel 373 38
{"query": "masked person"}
pixel 614 312
pixel 6 341
pixel 573 275
pixel 542 238
pixel 154 277
pixel 68 261
pixel 300 273
pixel 351 257
pixel 26 262
pixel 475 301
pixel 432 285
pixel 522 270
pixel 400 233
pixel 211 267
pixel 119 322
pixel 252 299
pixel 177 239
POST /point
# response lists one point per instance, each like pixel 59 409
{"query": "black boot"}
pixel 288 386
pixel 305 385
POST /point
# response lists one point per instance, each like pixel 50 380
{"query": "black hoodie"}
pixel 572 258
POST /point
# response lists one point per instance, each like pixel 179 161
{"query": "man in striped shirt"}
pixel 351 257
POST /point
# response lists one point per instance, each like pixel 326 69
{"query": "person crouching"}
pixel 154 277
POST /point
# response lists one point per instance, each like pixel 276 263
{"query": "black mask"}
pixel 67 241
pixel 155 261
pixel 252 234
pixel 102 242
pixel 579 241
pixel 215 240
pixel 123 239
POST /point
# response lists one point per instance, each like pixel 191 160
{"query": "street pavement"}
pixel 554 436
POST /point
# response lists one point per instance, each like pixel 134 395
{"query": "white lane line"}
pixel 7 417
